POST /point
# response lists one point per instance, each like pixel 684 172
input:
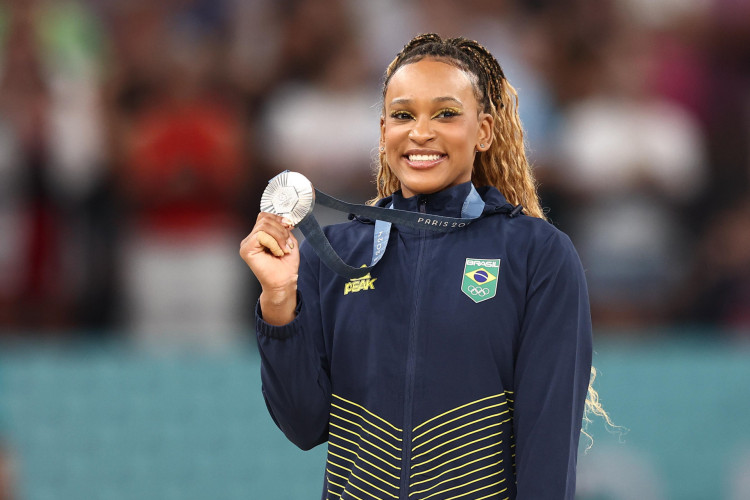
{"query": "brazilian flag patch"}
pixel 480 278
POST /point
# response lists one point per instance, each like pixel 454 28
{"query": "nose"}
pixel 422 131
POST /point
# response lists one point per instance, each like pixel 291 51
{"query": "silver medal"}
pixel 289 194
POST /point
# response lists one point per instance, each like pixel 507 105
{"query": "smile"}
pixel 424 160
pixel 424 157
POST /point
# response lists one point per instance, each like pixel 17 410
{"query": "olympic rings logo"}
pixel 476 290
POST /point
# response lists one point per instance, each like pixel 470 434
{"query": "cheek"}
pixel 391 143
pixel 392 135
pixel 463 140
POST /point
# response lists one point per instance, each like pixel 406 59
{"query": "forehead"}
pixel 429 78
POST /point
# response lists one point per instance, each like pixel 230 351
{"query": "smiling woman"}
pixel 432 127
pixel 459 366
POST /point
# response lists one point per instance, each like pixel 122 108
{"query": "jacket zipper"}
pixel 411 362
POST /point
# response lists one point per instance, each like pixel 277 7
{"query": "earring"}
pixel 382 148
pixel 481 146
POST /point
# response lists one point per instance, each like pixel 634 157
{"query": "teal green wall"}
pixel 687 407
pixel 112 423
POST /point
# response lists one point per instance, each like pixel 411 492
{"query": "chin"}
pixel 418 189
pixel 421 185
pixel 431 186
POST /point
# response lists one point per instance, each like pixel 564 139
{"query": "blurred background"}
pixel 136 138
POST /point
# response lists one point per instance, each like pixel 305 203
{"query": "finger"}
pixel 291 242
pixel 272 228
pixel 268 241
pixel 275 218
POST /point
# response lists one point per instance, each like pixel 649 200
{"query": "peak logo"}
pixel 355 285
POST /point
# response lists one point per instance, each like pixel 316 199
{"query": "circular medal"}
pixel 289 194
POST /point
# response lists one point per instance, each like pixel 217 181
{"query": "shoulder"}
pixel 525 230
pixel 540 242
pixel 528 231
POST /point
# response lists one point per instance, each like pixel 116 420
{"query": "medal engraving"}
pixel 289 194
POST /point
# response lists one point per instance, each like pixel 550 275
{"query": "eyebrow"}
pixel 405 101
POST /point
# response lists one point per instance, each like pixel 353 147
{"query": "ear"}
pixel 484 134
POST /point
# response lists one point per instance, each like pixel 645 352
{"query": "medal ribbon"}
pixel 384 217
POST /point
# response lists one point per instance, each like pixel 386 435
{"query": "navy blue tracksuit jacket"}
pixel 458 368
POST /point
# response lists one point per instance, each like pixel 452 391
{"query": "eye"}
pixel 401 115
pixel 447 113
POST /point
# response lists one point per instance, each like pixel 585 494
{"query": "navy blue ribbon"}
pixel 384 217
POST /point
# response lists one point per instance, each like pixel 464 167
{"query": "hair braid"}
pixel 504 165
pixel 493 73
pixel 408 48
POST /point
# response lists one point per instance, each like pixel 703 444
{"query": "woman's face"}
pixel 432 126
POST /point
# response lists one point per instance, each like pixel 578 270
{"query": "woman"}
pixel 459 367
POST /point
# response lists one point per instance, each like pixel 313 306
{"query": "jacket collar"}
pixel 447 202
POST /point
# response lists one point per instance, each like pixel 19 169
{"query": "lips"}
pixel 424 159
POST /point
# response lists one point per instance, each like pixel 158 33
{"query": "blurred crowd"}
pixel 136 137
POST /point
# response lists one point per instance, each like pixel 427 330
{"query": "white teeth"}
pixel 424 157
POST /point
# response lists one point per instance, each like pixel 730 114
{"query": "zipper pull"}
pixel 422 204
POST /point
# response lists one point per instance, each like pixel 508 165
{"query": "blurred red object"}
pixel 184 168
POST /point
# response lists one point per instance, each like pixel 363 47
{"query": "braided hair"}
pixel 504 165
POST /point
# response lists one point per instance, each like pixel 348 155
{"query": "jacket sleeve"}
pixel 294 366
pixel 553 365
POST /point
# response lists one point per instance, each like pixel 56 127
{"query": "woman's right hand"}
pixel 272 252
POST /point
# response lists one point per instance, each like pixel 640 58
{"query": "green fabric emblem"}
pixel 480 278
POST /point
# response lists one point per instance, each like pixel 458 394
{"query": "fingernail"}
pixel 290 243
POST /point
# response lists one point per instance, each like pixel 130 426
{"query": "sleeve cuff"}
pixel 278 332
